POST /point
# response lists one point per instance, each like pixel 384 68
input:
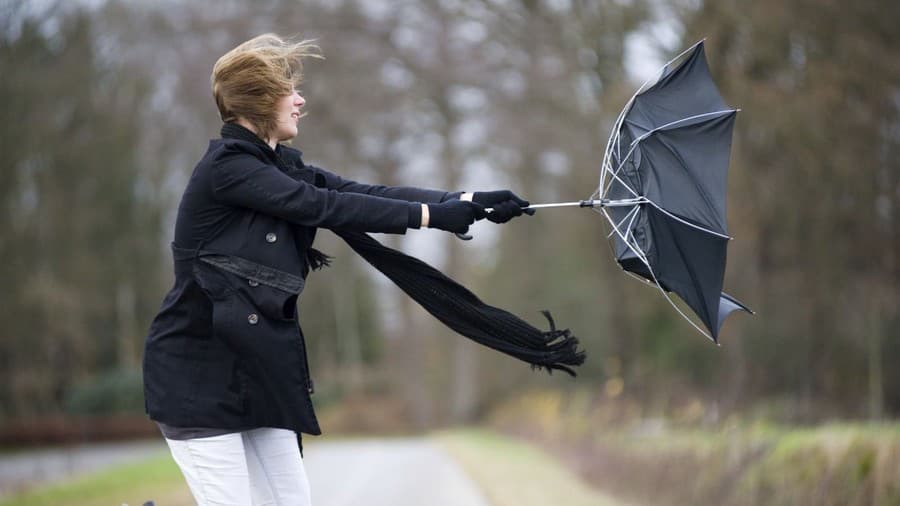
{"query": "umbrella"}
pixel 662 188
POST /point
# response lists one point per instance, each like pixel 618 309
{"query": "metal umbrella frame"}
pixel 621 212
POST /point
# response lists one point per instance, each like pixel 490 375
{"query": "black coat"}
pixel 226 349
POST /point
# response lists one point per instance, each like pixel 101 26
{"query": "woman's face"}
pixel 287 112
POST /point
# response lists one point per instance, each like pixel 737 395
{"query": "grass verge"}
pixel 157 479
pixel 515 473
pixel 733 462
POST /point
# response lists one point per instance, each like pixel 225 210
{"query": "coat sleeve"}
pixel 407 193
pixel 240 179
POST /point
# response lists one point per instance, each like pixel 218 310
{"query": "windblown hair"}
pixel 248 81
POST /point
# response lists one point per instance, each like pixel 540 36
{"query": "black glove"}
pixel 506 205
pixel 454 215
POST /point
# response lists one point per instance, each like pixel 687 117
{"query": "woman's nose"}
pixel 299 101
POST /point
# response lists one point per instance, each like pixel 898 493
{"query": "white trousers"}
pixel 256 467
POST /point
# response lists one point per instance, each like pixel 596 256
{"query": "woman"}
pixel 225 368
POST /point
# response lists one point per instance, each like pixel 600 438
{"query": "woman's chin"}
pixel 287 135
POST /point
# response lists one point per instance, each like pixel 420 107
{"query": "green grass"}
pixel 515 473
pixel 157 479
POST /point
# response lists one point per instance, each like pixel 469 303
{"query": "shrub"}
pixel 112 392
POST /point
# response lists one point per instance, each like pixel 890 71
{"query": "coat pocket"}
pixel 253 306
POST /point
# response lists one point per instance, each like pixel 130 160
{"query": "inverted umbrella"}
pixel 662 188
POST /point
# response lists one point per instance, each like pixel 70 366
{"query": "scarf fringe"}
pixel 317 259
pixel 564 349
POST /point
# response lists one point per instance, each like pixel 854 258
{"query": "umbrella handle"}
pixel 468 237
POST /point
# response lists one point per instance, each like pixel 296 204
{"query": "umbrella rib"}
pixel 685 222
pixel 672 303
pixel 609 244
pixel 612 142
pixel 670 124
pixel 635 208
pixel 664 66
pixel 645 199
pixel 701 189
pixel 655 283
pixel 643 258
pixel 630 228
pixel 636 142
pixel 615 175
pixel 634 146
pixel 641 255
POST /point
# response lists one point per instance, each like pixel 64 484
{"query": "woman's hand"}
pixel 505 205
pixel 453 215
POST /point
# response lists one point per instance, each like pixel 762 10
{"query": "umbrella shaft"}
pixel 589 203
pixel 581 203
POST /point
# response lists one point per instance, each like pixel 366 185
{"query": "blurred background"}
pixel 107 106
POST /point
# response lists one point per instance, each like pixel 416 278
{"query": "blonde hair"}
pixel 248 81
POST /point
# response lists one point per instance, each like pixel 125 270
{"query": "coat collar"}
pixel 236 131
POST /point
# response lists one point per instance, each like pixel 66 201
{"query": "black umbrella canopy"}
pixel 664 186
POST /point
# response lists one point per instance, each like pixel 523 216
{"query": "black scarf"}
pixel 447 300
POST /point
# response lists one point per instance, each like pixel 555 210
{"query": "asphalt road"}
pixel 383 472
pixel 374 472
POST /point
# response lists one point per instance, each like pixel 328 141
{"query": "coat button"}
pixel 271 237
pixel 252 318
pixel 252 282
